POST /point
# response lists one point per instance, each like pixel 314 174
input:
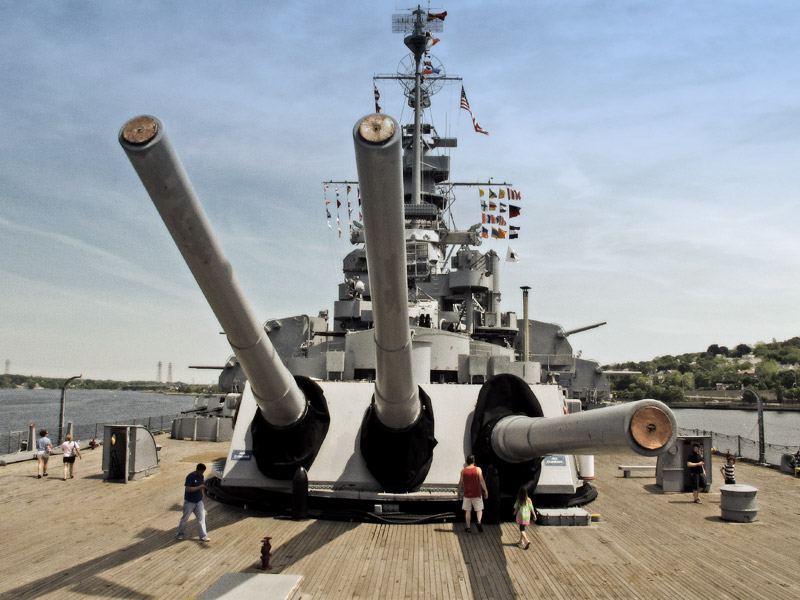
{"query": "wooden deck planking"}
pixel 85 538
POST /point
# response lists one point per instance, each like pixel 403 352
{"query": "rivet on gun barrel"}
pixel 284 406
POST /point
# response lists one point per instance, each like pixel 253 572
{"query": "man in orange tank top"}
pixel 472 488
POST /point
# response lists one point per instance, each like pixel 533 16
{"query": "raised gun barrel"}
pixel 281 401
pixel 564 334
pixel 647 427
pixel 397 432
pixel 378 160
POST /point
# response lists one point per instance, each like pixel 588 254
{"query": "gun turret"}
pixel 564 334
pixel 397 434
pixel 283 405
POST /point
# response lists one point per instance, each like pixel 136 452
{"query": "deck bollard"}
pixel 300 494
pixel 738 503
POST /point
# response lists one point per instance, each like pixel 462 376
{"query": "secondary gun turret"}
pixel 293 417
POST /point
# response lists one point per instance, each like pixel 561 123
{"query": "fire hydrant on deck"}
pixel 265 553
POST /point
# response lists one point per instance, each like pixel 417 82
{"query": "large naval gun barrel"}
pixel 378 159
pixel 565 334
pixel 397 434
pixel 510 432
pixel 647 427
pixel 282 403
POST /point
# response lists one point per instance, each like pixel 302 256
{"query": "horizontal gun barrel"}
pixel 378 150
pixel 600 370
pixel 147 146
pixel 647 427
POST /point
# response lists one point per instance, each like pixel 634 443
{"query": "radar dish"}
pixel 432 82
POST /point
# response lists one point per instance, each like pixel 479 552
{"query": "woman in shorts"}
pixel 70 450
pixel 43 449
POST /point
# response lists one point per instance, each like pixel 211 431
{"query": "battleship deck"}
pixel 86 538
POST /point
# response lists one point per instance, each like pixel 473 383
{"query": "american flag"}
pixel 465 106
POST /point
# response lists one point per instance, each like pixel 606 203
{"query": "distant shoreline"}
pixel 771 406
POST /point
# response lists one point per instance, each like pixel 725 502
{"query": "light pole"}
pixel 64 407
pixel 761 458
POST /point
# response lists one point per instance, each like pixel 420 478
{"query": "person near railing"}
pixel 43 449
pixel 728 471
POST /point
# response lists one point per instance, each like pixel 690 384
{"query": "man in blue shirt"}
pixel 193 502
pixel 43 449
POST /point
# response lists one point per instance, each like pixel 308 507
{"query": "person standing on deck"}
pixel 523 512
pixel 194 490
pixel 472 488
pixel 697 472
pixel 728 471
pixel 69 451
pixel 43 449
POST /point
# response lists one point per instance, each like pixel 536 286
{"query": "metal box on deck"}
pixel 562 516
pixel 129 453
pixel 672 472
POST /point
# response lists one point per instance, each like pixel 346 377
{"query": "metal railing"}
pixel 15 441
pixel 740 446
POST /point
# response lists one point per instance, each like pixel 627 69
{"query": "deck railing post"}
pixel 31 436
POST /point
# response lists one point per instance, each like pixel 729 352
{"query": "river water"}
pixel 85 408
pixel 780 427
pixel 737 430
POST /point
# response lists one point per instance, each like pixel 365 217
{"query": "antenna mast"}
pixel 418 27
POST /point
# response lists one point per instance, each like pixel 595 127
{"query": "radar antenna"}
pixel 418 25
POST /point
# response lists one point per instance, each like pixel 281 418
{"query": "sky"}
pixel 655 145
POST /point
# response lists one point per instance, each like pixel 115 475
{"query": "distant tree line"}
pixel 670 378
pixel 55 383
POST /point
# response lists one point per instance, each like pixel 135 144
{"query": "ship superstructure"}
pixel 460 333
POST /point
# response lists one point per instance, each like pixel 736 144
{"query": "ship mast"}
pixel 416 42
